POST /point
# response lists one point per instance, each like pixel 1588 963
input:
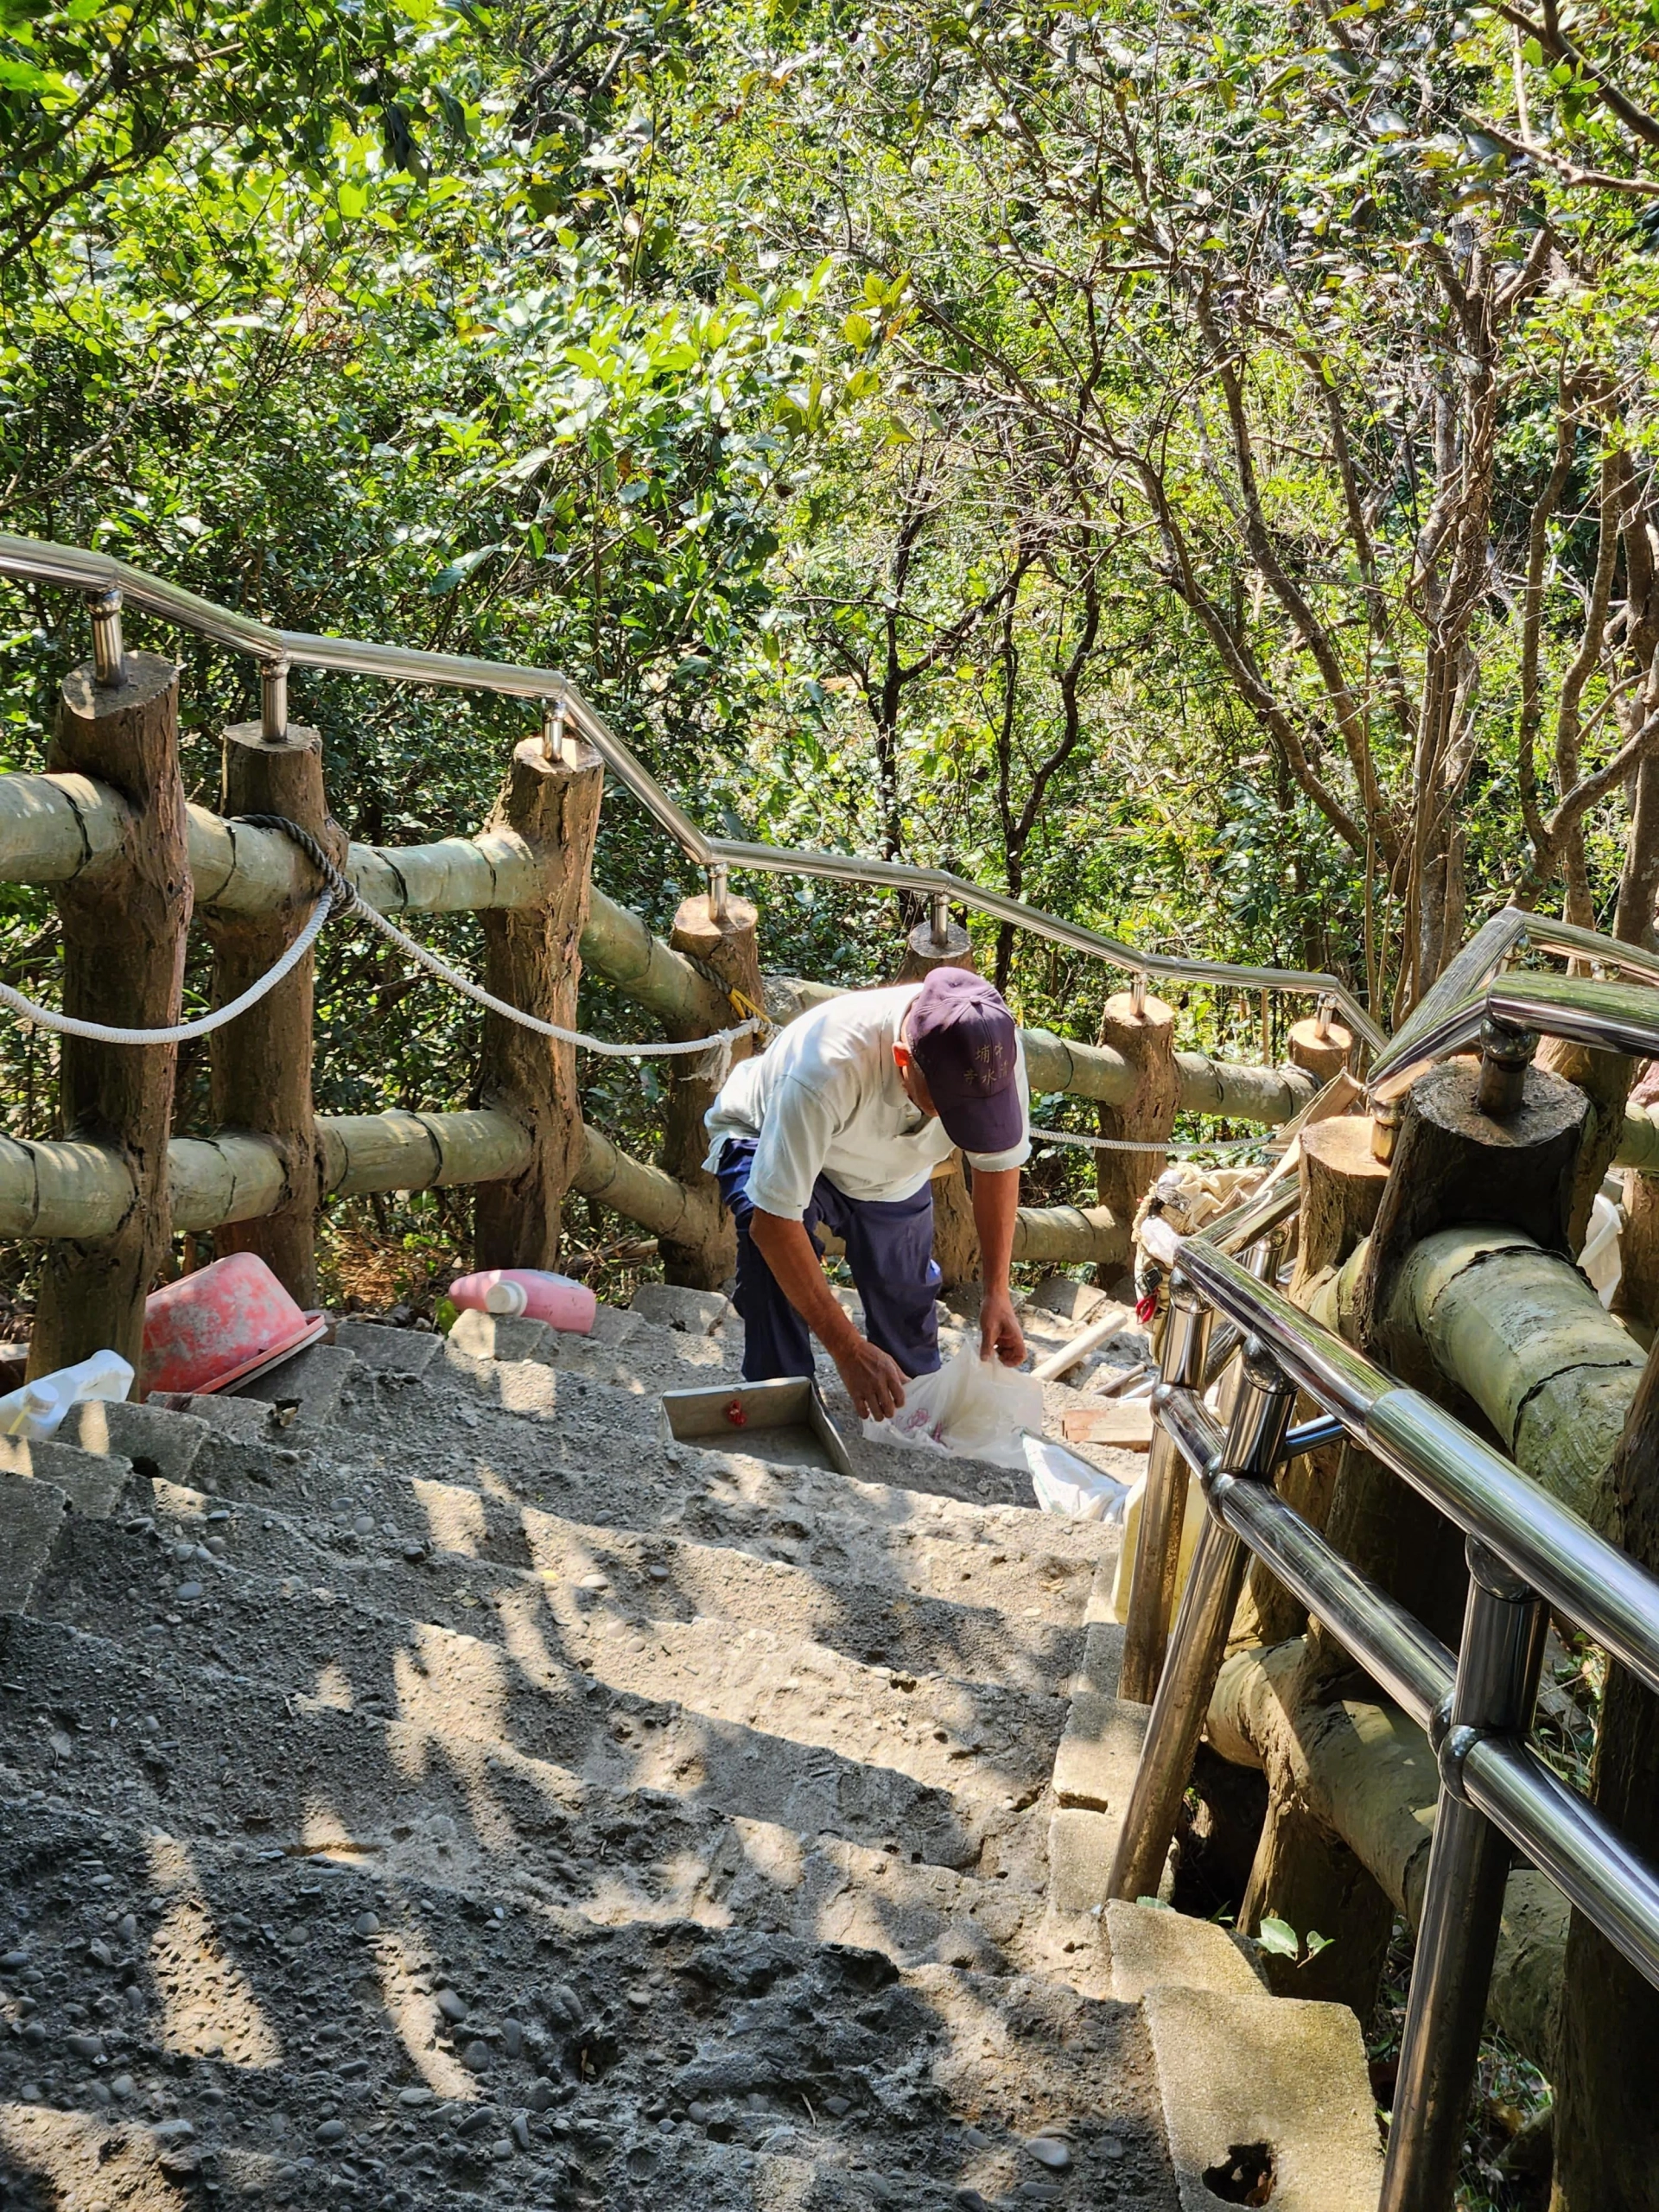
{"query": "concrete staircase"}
pixel 420 1785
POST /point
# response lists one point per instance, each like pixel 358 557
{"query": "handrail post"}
pixel 262 1063
pixel 273 700
pixel 125 919
pixel 1463 1904
pixel 1261 1416
pixel 109 655
pixel 1163 1503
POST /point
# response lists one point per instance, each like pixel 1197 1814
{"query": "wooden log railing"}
pixel 80 1191
pixel 97 1196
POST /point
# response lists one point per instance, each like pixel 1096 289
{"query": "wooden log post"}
pixel 1522 1337
pixel 1455 1166
pixel 1637 1295
pixel 937 943
pixel 124 944
pixel 1305 1873
pixel 533 960
pixel 940 943
pixel 262 1063
pixel 1604 1078
pixel 1342 1185
pixel 727 944
pixel 1142 1029
pixel 955 1233
pixel 1319 1045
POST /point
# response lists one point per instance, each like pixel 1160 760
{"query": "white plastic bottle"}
pixel 37 1410
pixel 510 1292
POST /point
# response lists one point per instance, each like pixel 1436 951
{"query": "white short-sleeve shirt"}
pixel 824 1099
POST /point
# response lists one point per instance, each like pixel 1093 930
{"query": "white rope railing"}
pixel 341 897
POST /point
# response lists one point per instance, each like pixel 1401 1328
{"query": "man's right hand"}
pixel 875 1382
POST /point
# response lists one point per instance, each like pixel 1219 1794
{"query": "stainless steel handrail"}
pixel 1472 986
pixel 1509 1782
pixel 34 560
pixel 1496 1792
pixel 1591 1581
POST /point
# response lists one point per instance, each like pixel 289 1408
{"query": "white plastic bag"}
pixel 1066 1484
pixel 975 1409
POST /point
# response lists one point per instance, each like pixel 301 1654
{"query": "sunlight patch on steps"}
pixel 85 2161
pixel 454 1517
pixel 174 1502
pixel 324 1835
pixel 449 1687
pixel 515 1609
pixel 407 1979
pixel 208 2006
pixel 334 1687
pixel 528 1387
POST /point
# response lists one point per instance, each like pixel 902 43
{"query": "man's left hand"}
pixel 999 1333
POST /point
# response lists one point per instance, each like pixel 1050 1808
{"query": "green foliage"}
pixel 1279 1940
pixel 92 95
pixel 1103 451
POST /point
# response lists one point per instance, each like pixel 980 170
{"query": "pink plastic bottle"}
pixel 559 1301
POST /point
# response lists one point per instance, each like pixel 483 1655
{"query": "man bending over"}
pixel 841 1122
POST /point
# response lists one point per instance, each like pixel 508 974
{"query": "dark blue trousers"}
pixel 889 1249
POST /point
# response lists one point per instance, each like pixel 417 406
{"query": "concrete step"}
pixel 764 1725
pixel 400 1462
pixel 522 1825
pixel 1094 1772
pixel 462 1643
pixel 481 1548
pixel 1258 2090
pixel 651 1359
pixel 31 1520
pixel 193 2015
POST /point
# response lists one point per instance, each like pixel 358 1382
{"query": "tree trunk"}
pixel 728 946
pixel 262 1064
pixel 533 960
pixel 1607 2117
pixel 1638 886
pixel 124 943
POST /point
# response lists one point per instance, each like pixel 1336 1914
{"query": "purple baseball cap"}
pixel 963 1041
